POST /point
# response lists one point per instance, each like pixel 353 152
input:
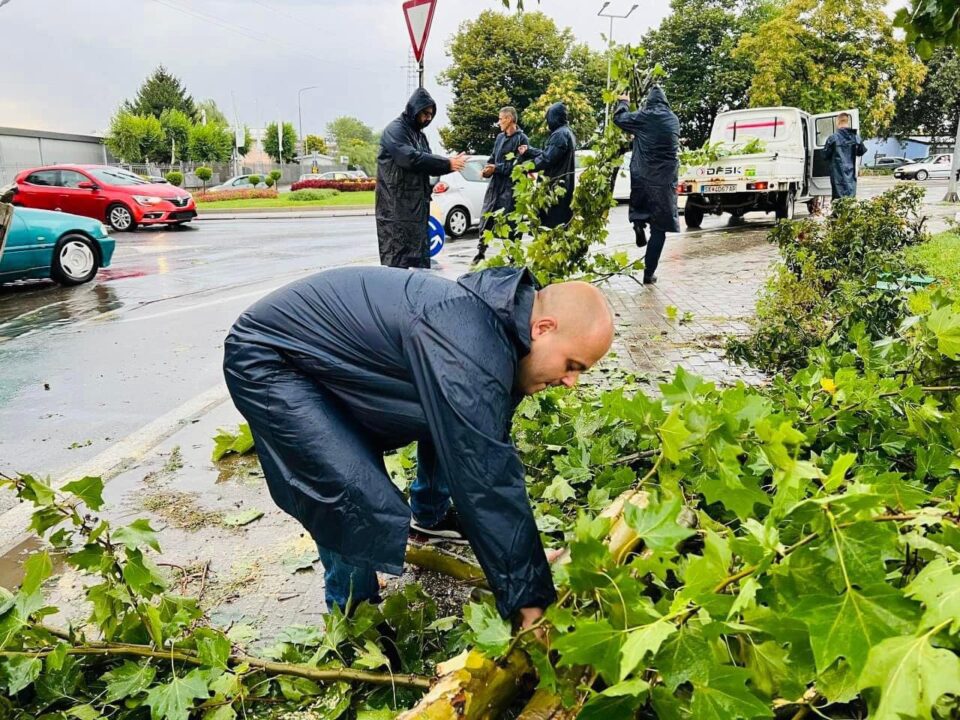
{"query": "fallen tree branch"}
pixel 429 557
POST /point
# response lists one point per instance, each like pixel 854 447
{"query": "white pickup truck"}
pixel 790 169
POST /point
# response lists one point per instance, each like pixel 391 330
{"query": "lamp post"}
pixel 613 16
pixel 303 144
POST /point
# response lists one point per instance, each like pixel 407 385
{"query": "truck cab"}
pixel 790 168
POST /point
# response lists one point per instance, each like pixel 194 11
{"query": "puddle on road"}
pixel 11 564
pixel 51 306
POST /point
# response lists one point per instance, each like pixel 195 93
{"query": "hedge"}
pixel 355 185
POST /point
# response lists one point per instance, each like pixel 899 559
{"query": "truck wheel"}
pixel 785 205
pixel 693 217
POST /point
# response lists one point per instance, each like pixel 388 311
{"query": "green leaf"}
pixel 137 534
pixel 684 656
pixel 128 680
pixel 88 489
pixel 226 442
pixel 657 524
pixel 18 672
pixel 491 632
pixel 646 639
pixel 912 675
pixel 559 490
pixel 37 491
pixel 371 657
pixel 673 433
pixel 595 643
pixel 175 700
pixel 723 695
pixel 242 518
pixel 944 322
pixel 90 557
pixel 838 472
pixel 213 647
pixel 619 701
pixel 36 570
pixel 84 712
pixel 142 576
pixel 849 624
pixel 221 712
pixel 938 588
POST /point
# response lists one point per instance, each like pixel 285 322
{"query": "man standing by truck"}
pixel 842 150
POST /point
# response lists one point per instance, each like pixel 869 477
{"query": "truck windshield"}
pixel 738 130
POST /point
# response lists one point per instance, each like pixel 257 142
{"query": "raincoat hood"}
pixel 557 116
pixel 418 102
pixel 656 97
pixel 510 293
pixel 848 134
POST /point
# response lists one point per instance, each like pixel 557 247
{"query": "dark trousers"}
pixel 655 245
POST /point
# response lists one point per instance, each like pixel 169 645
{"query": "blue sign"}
pixel 436 235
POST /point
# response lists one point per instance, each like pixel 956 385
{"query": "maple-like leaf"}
pixel 592 642
pixel 938 588
pixel 174 700
pixel 723 695
pixel 657 524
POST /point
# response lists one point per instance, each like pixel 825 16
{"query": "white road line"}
pixel 115 459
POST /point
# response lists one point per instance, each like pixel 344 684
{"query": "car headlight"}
pixel 147 199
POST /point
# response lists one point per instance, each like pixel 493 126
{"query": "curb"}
pixel 294 214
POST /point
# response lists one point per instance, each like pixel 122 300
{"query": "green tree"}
pixel 935 108
pixel 203 175
pixel 930 24
pixel 210 143
pixel 590 70
pixel 314 143
pixel 564 88
pixel 361 155
pixel 271 143
pixel 498 60
pixel 346 129
pixel 213 113
pixel 136 138
pixel 247 142
pixel 176 126
pixel 161 91
pixel 823 55
pixel 694 45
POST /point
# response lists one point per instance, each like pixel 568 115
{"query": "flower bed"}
pixel 356 185
pixel 234 195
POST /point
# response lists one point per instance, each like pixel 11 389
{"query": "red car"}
pixel 109 194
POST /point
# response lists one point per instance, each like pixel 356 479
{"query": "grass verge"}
pixel 342 200
pixel 940 258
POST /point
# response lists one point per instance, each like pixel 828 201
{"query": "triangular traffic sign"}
pixel 419 16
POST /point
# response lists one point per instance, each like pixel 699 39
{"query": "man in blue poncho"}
pixel 842 150
pixel 336 369
pixel 557 161
pixel 653 172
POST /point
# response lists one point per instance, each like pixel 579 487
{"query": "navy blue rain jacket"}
pixel 842 150
pixel 499 195
pixel 404 168
pixel 557 160
pixel 653 169
pixel 407 357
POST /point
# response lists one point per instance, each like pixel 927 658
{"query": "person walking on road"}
pixel 557 161
pixel 338 368
pixel 653 173
pixel 499 169
pixel 842 150
pixel 404 168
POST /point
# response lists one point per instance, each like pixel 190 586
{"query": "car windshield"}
pixel 112 176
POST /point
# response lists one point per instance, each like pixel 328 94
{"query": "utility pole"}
pixel 613 16
pixel 303 145
pixel 952 195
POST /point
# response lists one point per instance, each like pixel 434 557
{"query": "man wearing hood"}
pixel 842 150
pixel 557 161
pixel 404 168
pixel 499 168
pixel 653 172
pixel 338 368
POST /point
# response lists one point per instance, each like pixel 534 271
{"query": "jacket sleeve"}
pixel 631 122
pixel 464 389
pixel 830 148
pixel 505 168
pixel 861 148
pixel 557 146
pixel 408 157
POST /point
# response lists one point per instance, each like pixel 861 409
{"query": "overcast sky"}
pixel 67 64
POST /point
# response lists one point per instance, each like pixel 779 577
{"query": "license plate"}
pixel 706 189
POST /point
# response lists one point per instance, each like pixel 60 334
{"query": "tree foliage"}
pixel 346 129
pixel 208 109
pixel 176 126
pixel 930 24
pixel 314 143
pixel 934 109
pixel 564 88
pixel 500 59
pixel 136 138
pixel 271 142
pixel 823 55
pixel 211 143
pixel 161 91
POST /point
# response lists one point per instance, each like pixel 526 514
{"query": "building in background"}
pixel 22 149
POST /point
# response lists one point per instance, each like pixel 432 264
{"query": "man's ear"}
pixel 542 326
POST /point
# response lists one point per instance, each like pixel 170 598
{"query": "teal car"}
pixel 45 244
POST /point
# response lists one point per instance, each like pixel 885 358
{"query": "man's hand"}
pixel 458 162
pixel 522 150
pixel 624 97
pixel 555 554
pixel 530 615
pixel 488 170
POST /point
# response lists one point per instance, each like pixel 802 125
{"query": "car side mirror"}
pixel 87 185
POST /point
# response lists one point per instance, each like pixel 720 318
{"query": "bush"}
pixel 276 175
pixel 312 195
pixel 351 185
pixel 255 180
pixel 270 180
pixel 203 175
pixel 174 178
pixel 235 195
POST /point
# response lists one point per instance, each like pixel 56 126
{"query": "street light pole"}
pixel 612 16
pixel 303 144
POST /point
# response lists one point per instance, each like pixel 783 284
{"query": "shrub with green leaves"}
pixel 312 195
pixel 174 177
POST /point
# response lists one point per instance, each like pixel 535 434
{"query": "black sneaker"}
pixel 652 280
pixel 641 236
pixel 447 530
pixel 479 258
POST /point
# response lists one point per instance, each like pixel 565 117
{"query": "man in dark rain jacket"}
pixel 557 160
pixel 499 168
pixel 842 150
pixel 335 369
pixel 653 172
pixel 404 168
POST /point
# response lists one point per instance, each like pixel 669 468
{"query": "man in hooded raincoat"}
pixel 499 169
pixel 338 368
pixel 653 172
pixel 557 161
pixel 404 168
pixel 842 150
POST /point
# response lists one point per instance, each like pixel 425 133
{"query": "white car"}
pixel 458 197
pixel 936 166
pixel 237 182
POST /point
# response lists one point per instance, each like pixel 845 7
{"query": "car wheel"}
pixel 785 206
pixel 693 217
pixel 922 174
pixel 458 222
pixel 75 260
pixel 120 218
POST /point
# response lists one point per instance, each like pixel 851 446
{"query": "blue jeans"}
pixel 429 497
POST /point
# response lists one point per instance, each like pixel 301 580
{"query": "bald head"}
pixel 571 329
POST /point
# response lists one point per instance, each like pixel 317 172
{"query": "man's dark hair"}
pixel 844 118
pixel 509 109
